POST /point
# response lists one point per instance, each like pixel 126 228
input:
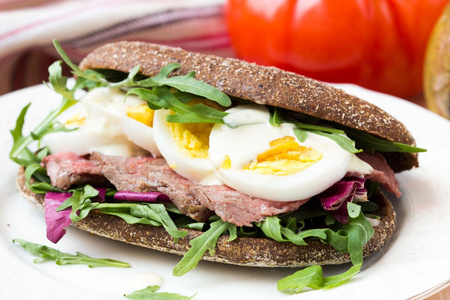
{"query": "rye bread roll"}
pixel 262 85
pixel 244 251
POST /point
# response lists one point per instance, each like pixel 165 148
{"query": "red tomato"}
pixel 378 44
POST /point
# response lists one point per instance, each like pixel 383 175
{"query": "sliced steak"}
pixel 239 208
pixel 145 174
pixel 66 169
pixel 142 174
pixel 382 172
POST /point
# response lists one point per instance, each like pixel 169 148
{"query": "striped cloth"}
pixel 27 28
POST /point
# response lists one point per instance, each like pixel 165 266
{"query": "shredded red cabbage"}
pixel 101 195
pixel 56 220
pixel 141 197
pixel 335 199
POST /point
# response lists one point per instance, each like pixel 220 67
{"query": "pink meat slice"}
pixel 66 169
pixel 146 174
pixel 382 172
pixel 143 174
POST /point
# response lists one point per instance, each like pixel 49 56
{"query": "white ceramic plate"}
pixel 416 260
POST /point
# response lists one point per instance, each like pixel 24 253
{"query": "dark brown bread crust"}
pixel 263 85
pixel 244 251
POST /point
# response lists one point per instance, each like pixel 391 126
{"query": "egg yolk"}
pixel 141 113
pixel 192 138
pixel 76 120
pixel 284 157
pixel 226 163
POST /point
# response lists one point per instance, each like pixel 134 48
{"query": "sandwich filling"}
pixel 246 153
pixel 243 170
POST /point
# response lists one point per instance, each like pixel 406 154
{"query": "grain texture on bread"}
pixel 263 85
pixel 244 251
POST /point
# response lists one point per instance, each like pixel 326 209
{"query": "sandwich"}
pixel 213 159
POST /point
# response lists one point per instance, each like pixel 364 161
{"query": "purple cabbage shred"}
pixel 335 199
pixel 56 221
pixel 141 197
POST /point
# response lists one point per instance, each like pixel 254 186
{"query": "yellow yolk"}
pixel 185 147
pixel 192 139
pixel 226 163
pixel 141 113
pixel 284 157
pixel 76 120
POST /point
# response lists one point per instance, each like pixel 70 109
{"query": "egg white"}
pixel 106 129
pixel 242 145
pixel 195 169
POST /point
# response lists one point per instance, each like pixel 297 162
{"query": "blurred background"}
pixel 397 47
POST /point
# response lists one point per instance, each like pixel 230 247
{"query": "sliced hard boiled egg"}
pixel 106 122
pixel 269 162
pixel 185 148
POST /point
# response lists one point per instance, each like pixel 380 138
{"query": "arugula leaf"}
pixel 91 78
pixel 129 81
pixel 343 141
pixel 205 242
pixel 20 153
pixel 66 59
pixel 186 84
pixel 88 75
pixel 359 232
pixel 363 140
pixel 58 81
pixel 348 238
pixel 162 97
pixel 150 293
pixel 47 253
pixel 276 116
pixel 308 277
pixel 313 127
pixel 42 185
pixel 336 280
pixel 300 134
pixel 371 143
pixel 36 170
pixel 337 135
pixel 272 228
pixel 312 277
pixel 80 201
pixel 153 214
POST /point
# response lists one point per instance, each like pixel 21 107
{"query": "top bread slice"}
pixel 262 85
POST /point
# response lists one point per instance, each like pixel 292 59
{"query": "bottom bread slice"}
pixel 244 251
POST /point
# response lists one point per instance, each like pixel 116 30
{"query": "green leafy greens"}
pixel 154 214
pixel 207 241
pixel 348 238
pixel 163 97
pixel 47 254
pixel 186 84
pixel 371 143
pixel 21 152
pixel 312 277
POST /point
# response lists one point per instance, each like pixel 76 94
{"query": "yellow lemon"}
pixel 437 67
